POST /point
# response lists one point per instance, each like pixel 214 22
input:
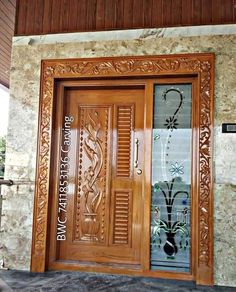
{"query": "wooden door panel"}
pixel 92 191
pixel 103 199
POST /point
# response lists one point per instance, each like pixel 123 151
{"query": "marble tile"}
pixel 76 281
pixel 225 234
pixel 186 31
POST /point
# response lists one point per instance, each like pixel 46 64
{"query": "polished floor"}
pixel 82 282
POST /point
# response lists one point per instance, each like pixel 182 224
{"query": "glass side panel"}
pixel 171 178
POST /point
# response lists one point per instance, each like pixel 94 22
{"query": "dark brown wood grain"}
pixel 157 15
pixel 91 15
pixel 187 7
pixel 206 12
pixel 82 16
pixel 47 14
pixel 110 14
pixel 128 13
pixel 216 14
pixel 119 6
pixel 64 21
pixel 38 23
pixel 138 14
pixel 197 12
pixel 31 17
pixel 100 14
pixel 176 12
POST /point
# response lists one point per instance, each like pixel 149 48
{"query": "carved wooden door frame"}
pixel 200 66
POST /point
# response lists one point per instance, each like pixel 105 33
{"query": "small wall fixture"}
pixel 229 128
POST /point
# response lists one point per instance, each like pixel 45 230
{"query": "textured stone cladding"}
pixel 15 245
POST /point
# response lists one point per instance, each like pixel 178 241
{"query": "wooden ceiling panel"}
pixel 7 23
pixel 58 16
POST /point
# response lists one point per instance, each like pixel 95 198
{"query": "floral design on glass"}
pixel 176 169
pixel 171 123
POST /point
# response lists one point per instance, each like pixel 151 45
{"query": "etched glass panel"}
pixel 171 178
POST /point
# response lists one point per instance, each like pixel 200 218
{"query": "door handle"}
pixel 136 149
pixel 136 146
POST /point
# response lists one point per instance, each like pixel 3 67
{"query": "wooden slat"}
pixel 5 69
pixel 119 6
pixel 8 23
pixel 176 12
pixel 197 12
pixel 30 17
pixel 21 17
pixel 6 37
pixel 234 9
pixel 216 11
pixel 128 13
pixel 8 12
pixel 55 16
pixel 4 75
pixel 13 3
pixel 100 15
pixel 7 26
pixel 167 12
pixel 110 14
pixel 206 12
pixel 147 10
pixel 121 228
pixel 39 9
pixel 47 15
pixel 6 52
pixel 64 16
pixel 187 12
pixel 5 78
pixel 138 16
pixel 7 32
pixel 157 15
pixel 91 14
pixel 82 12
pixel 124 132
pixel 227 11
pixel 5 61
pixel 4 81
pixel 73 15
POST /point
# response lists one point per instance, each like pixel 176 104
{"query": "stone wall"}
pixel 15 246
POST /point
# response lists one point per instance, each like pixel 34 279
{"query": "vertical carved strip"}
pixel 80 144
pixel 124 132
pixel 92 174
pixel 205 248
pixel 41 202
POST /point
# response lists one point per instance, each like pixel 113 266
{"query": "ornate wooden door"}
pixel 96 181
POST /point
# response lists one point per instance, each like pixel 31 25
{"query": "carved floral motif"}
pixel 140 66
pixel 91 194
pixel 126 66
pixel 91 190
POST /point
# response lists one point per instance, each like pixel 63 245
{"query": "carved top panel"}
pixel 126 66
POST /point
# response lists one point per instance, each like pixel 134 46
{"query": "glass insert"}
pixel 171 178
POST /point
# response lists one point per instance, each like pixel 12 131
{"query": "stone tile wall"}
pixel 15 244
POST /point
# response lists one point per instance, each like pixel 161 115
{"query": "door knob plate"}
pixel 139 171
